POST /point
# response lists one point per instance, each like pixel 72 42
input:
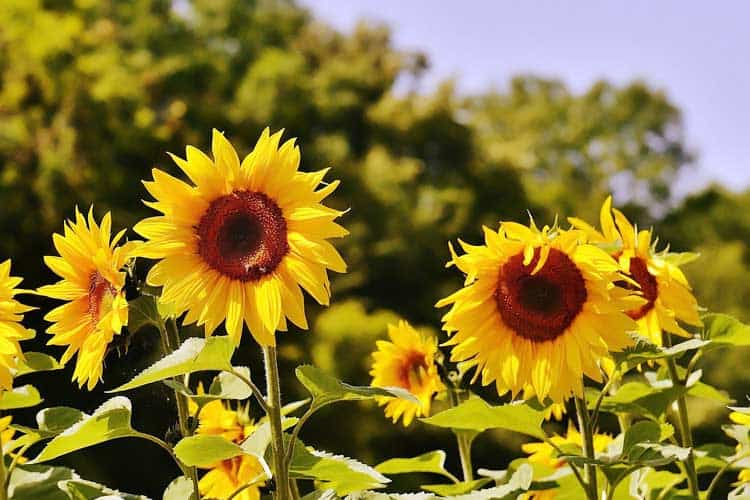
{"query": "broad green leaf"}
pixel 79 489
pixel 203 450
pixel 24 396
pixel 56 419
pixel 449 490
pixel 180 489
pixel 722 329
pixel 257 443
pixel 705 391
pixel 143 312
pixel 475 414
pixel 228 386
pixel 110 421
pixel 36 362
pixel 326 389
pixel 644 351
pixel 38 482
pixel 194 355
pixel 336 472
pixel 432 461
pixel 641 399
pixel 640 432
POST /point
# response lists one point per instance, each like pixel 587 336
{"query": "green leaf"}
pixel 475 414
pixel 143 312
pixel 644 351
pixel 194 355
pixel 640 432
pixel 432 461
pixel 712 457
pixel 203 450
pixel 110 421
pixel 56 419
pixel 722 329
pixel 180 488
pixel 326 389
pixel 36 362
pixel 228 386
pixel 257 443
pixel 641 399
pixel 705 391
pixel 38 482
pixel 336 472
pixel 24 396
pixel 79 489
pixel 449 490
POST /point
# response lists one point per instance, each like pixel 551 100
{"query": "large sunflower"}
pixel 659 279
pixel 238 243
pixel 408 362
pixel 538 310
pixel 90 267
pixel 226 476
pixel 11 329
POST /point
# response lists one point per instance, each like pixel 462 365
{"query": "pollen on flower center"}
pixel 649 287
pixel 101 293
pixel 540 306
pixel 243 235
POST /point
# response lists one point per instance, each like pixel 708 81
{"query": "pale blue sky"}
pixel 698 52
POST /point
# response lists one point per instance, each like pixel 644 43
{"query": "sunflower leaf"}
pixel 143 312
pixel 723 329
pixel 642 399
pixel 110 421
pixel 24 396
pixel 432 461
pixel 194 355
pixel 326 389
pixel 449 490
pixel 203 450
pixel 180 488
pixel 475 414
pixel 36 362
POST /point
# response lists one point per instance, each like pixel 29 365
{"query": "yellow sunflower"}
pixel 225 477
pixel 545 454
pixel 408 362
pixel 538 310
pixel 238 242
pixel 11 329
pixel 90 267
pixel 661 282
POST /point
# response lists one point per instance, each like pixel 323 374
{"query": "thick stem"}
pixel 273 402
pixel 685 435
pixel 170 338
pixel 587 435
pixel 3 475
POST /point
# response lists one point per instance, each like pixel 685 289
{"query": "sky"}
pixel 697 52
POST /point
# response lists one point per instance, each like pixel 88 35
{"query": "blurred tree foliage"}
pixel 93 93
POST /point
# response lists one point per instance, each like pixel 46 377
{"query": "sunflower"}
pixel 544 454
pixel 11 329
pixel 226 476
pixel 408 362
pixel 90 267
pixel 658 277
pixel 538 310
pixel 238 243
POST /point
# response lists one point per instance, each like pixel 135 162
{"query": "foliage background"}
pixel 93 94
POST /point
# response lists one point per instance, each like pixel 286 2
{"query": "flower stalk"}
pixel 3 474
pixel 587 435
pixel 686 436
pixel 273 403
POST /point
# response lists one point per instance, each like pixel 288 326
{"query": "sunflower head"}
pixel 406 361
pixel 668 299
pixel 224 477
pixel 11 329
pixel 538 310
pixel 91 283
pixel 239 241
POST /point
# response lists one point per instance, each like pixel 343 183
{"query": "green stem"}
pixel 295 435
pixel 3 474
pixel 722 471
pixel 254 388
pixel 685 434
pixel 587 435
pixel 273 401
pixel 170 338
pixel 462 440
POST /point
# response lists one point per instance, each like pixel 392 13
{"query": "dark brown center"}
pixel 243 235
pixel 647 285
pixel 540 306
pixel 411 368
pixel 101 293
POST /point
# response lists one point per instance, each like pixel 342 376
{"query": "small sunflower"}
pixel 544 454
pixel 90 267
pixel 661 282
pixel 538 310
pixel 408 362
pixel 11 329
pixel 225 477
pixel 238 242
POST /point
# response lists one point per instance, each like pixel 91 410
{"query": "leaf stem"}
pixel 170 338
pixel 256 391
pixel 722 471
pixel 463 441
pixel 587 435
pixel 684 424
pixel 273 401
pixel 295 434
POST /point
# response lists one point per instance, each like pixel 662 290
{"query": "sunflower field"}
pixel 240 261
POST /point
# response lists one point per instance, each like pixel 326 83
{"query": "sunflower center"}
pixel 101 294
pixel 647 283
pixel 410 371
pixel 540 306
pixel 243 235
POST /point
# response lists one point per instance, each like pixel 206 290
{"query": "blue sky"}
pixel 697 52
